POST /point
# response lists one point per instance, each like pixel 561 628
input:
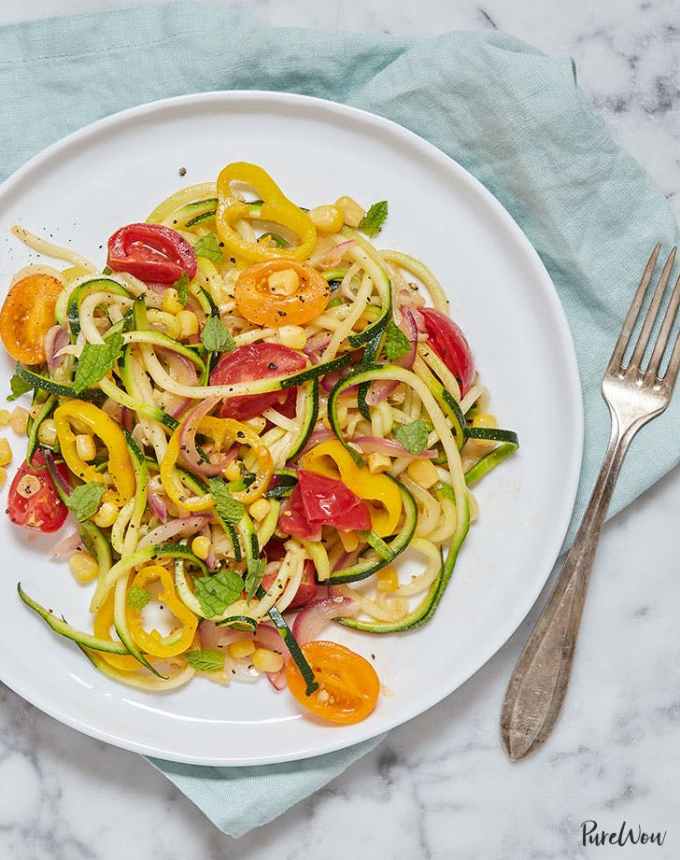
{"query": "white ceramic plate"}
pixel 114 172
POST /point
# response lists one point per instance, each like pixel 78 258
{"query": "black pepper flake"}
pixel 273 365
pixel 182 171
pixel 372 656
pixel 232 259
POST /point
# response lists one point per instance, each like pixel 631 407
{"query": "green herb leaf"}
pixel 206 660
pixel 19 386
pixel 107 270
pixel 396 342
pixel 216 592
pixel 444 491
pixel 137 597
pixel 208 246
pixel 215 336
pixel 256 568
pixel 413 436
pixel 182 287
pixel 372 222
pixel 84 501
pixel 95 361
pixel 227 508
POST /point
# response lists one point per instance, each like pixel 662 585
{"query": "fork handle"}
pixel 539 682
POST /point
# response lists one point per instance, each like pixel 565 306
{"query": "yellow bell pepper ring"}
pixel 333 460
pixel 103 622
pixel 98 423
pixel 275 207
pixel 152 642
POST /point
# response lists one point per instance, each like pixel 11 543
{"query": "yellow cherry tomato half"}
pixel 27 314
pixel 281 292
pixel 348 685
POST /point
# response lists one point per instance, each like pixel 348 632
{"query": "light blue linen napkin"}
pixel 512 116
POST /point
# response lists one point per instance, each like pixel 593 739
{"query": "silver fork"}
pixel 634 397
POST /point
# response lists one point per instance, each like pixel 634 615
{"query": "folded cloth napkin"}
pixel 512 116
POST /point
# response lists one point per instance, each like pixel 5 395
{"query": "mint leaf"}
pixel 216 592
pixel 205 660
pixel 215 336
pixel 413 436
pixel 19 386
pixel 95 361
pixel 229 511
pixel 208 246
pixel 84 501
pixel 137 597
pixel 372 222
pixel 182 287
pixel 253 579
pixel 397 344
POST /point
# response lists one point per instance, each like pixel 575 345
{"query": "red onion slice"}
pixel 318 436
pixel 389 447
pixel 55 339
pixel 158 506
pixel 216 637
pixel 331 259
pixel 316 616
pixel 381 390
pixel 66 546
pixel 268 637
pixel 182 527
pixel 187 442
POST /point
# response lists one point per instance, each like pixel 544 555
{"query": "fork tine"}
pixel 665 331
pixel 673 366
pixel 652 312
pixel 633 312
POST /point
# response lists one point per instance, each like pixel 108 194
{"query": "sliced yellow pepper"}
pixel 103 622
pixel 222 431
pixel 275 207
pixel 334 461
pixel 99 424
pixel 151 642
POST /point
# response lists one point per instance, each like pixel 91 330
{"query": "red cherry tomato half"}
pixel 318 500
pixel 307 590
pixel 37 505
pixel 152 253
pixel 255 361
pixel 449 342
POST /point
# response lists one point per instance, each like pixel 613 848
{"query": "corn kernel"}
pixel 327 219
pixel 85 447
pixel 18 420
pixel 293 336
pixel 5 453
pixel 47 433
pixel 284 283
pixel 3 476
pixel 352 212
pixel 171 303
pixel 484 419
pixel 28 486
pixel 4 417
pixel 233 471
pixel 378 463
pixel 241 648
pixel 188 323
pixel 200 546
pixel 259 509
pixel 423 472
pixel 83 567
pixel 166 322
pixel 106 515
pixel 265 660
pixel 388 581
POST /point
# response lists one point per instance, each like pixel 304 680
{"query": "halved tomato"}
pixel 450 344
pixel 255 361
pixel 152 253
pixel 33 500
pixel 348 685
pixel 308 589
pixel 27 314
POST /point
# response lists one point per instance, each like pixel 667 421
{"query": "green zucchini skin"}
pixel 311 413
pixel 157 338
pixel 96 285
pixel 295 651
pixel 369 357
pixel 363 569
pixel 36 380
pixel 377 327
pixel 45 411
pixel 313 372
pixel 64 629
pixel 509 443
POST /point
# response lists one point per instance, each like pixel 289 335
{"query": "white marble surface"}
pixel 441 787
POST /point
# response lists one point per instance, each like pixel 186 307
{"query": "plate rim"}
pixel 574 395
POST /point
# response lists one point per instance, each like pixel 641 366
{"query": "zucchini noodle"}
pixel 49 249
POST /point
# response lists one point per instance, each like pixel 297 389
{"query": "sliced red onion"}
pixel 182 527
pixel 388 447
pixel 55 339
pixel 66 546
pixel 183 371
pixel 347 559
pixel 158 506
pixel 268 637
pixel 127 418
pixel 318 436
pixel 187 442
pixel 381 390
pixel 316 616
pixel 331 259
pixel 215 637
pixel 211 560
pixel 316 345
pixel 410 298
